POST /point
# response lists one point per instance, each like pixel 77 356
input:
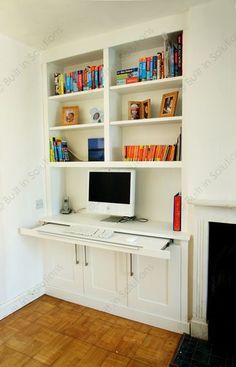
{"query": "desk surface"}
pixel 150 228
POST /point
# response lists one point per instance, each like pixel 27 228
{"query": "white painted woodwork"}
pixel 60 267
pixel 105 275
pixel 155 285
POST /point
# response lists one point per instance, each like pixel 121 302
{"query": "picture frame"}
pixel 168 104
pixel 146 109
pixel 134 110
pixel 70 115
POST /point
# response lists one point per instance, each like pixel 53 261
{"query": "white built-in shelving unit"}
pixel 157 182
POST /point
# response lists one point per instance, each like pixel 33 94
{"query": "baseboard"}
pixel 199 329
pixel 20 301
pixel 122 311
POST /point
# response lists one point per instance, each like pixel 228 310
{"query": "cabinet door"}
pixel 105 275
pixel 154 286
pixel 63 267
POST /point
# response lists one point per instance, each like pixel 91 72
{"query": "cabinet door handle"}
pixel 85 256
pixel 131 264
pixel 76 254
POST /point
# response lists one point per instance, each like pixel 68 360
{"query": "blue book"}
pixel 96 149
pixel 154 65
pixel 96 77
pixel 143 69
pixel 151 68
pixel 172 61
pixel 89 76
pixel 59 151
pixel 75 81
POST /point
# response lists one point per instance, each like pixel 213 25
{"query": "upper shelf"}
pixel 167 83
pixel 91 125
pixel 118 164
pixel 87 94
pixel 151 121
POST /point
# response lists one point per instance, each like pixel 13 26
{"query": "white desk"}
pixel 145 281
pixel 147 239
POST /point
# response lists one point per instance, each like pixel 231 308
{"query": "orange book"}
pixel 140 153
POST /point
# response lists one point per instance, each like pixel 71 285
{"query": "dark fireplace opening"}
pixel 221 305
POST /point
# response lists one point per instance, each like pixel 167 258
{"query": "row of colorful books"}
pixel 79 80
pixel 165 64
pixel 58 150
pixel 150 152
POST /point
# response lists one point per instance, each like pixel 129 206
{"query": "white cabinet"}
pixel 63 267
pixel 105 275
pixel 155 284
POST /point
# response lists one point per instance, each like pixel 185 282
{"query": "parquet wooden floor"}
pixel 52 332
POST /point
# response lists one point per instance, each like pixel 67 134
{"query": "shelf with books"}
pixel 118 164
pixel 114 101
pixel 77 96
pixel 149 85
pixel 150 121
pixel 91 125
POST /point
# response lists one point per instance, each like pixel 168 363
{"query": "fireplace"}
pixel 221 291
pixel 213 227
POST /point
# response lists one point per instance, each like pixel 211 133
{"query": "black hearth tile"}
pixel 198 364
pixel 201 356
pixel 217 361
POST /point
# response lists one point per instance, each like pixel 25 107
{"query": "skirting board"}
pixel 122 311
pixel 22 300
pixel 199 329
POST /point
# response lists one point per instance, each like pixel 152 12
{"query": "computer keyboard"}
pixel 88 232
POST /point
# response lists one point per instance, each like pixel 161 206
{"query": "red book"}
pixel 177 213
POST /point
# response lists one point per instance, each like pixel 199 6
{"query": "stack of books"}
pixel 127 76
pixel 149 152
pixel 79 80
pixel 58 150
pixel 165 64
pixel 154 152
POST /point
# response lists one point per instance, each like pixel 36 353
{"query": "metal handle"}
pixel 131 264
pixel 85 256
pixel 76 255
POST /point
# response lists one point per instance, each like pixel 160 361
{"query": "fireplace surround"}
pixel 203 216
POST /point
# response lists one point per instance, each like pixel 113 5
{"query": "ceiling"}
pixel 34 21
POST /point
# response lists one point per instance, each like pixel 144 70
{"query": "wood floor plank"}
pixel 72 354
pixel 50 352
pixel 9 357
pixel 115 360
pixel 94 358
pixel 111 338
pixel 57 333
pixel 24 344
pixel 131 341
pixel 34 363
pixel 5 333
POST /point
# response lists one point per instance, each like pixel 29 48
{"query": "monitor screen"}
pixel 111 192
pixel 110 187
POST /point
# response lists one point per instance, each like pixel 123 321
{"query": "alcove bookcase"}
pixel 156 181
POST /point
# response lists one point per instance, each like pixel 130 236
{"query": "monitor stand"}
pixel 112 219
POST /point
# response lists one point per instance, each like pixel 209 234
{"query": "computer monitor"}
pixel 111 192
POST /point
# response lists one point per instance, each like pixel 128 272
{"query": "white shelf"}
pixel 148 85
pixel 151 121
pixel 78 127
pixel 214 203
pixel 118 164
pixel 87 94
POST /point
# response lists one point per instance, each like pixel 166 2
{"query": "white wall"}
pixel 210 108
pixel 21 177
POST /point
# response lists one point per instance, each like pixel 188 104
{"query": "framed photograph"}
pixel 134 110
pixel 146 109
pixel 70 115
pixel 168 104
